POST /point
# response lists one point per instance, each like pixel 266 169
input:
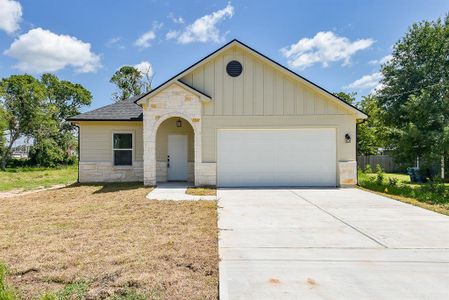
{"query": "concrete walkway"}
pixel 329 244
pixel 175 191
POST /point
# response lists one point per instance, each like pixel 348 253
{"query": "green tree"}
pixel 415 93
pixel 130 82
pixel 3 129
pixel 347 97
pixel 54 138
pixel 22 98
pixel 372 132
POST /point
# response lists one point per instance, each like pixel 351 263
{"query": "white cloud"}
pixel 145 69
pixel 10 15
pixel 324 48
pixel 113 41
pixel 144 41
pixel 174 19
pixel 116 42
pixel 205 28
pixel 381 61
pixel 41 50
pixel 371 81
pixel 171 34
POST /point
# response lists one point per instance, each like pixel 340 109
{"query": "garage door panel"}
pixel 290 157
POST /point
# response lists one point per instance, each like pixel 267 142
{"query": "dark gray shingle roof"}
pixel 124 110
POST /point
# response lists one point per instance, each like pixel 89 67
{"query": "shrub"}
pixel 368 169
pixel 359 170
pixel 432 193
pixel 46 153
pixel 392 181
pixel 380 174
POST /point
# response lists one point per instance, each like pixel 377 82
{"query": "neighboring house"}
pixel 235 118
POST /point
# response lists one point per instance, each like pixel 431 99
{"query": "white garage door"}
pixel 271 157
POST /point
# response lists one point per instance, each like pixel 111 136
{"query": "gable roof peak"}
pixel 360 114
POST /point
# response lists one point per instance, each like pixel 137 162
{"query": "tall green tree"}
pixel 130 82
pixel 22 98
pixel 54 139
pixel 372 132
pixel 3 130
pixel 415 93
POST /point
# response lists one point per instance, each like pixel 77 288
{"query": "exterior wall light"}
pixel 347 138
pixel 179 123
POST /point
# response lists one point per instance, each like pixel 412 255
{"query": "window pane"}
pixel 123 157
pixel 123 141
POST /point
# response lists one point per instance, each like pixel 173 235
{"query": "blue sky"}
pixel 336 44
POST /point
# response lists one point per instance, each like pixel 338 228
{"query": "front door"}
pixel 177 158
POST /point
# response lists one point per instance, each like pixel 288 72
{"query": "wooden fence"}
pixel 385 161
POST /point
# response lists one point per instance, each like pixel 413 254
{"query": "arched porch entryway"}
pixel 153 170
pixel 175 151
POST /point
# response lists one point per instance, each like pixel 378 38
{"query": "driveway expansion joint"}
pixel 341 220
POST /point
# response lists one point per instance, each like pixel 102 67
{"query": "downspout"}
pixel 356 138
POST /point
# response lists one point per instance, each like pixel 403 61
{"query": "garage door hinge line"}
pixel 337 218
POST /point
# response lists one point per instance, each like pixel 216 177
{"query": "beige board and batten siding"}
pixel 264 96
pixel 96 154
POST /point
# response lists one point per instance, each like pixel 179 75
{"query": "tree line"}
pixel 37 109
pixel 408 114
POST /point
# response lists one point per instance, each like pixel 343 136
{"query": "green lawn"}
pixel 427 195
pixel 32 178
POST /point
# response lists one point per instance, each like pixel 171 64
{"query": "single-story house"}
pixel 234 118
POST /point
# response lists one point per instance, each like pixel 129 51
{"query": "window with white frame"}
pixel 123 149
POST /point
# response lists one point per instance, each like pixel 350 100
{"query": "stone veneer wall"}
pixel 107 172
pixel 347 171
pixel 206 173
pixel 173 101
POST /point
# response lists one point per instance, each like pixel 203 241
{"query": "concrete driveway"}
pixel 329 244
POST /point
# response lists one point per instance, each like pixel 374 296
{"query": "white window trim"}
pixel 132 149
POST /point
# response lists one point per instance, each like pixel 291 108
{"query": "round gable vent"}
pixel 234 68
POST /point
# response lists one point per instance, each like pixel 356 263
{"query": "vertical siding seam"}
pixel 253 88
pixel 303 102
pixel 294 96
pixel 222 84
pixel 272 91
pixel 243 83
pixel 262 88
pixel 233 87
pixel 283 94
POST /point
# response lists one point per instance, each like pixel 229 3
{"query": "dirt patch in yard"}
pixel 111 241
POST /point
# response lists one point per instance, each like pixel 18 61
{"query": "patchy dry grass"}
pixel 202 191
pixel 109 242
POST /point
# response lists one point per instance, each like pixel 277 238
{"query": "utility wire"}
pixel 411 91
